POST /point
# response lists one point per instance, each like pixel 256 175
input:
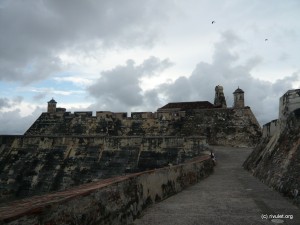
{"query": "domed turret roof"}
pixel 238 91
pixel 52 101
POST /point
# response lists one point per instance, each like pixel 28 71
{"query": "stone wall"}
pixel 288 103
pixel 66 149
pixel 114 201
pixel 276 160
pixel 270 128
pixel 231 126
pixel 31 165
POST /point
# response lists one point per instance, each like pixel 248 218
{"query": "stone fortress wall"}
pixel 288 103
pixel 220 124
pixel 33 165
pixel 276 160
pixel 63 149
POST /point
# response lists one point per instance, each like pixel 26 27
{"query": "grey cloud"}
pixel 178 91
pixel 154 65
pixel 40 96
pixel 222 56
pixel 29 70
pixel 151 100
pixel 7 103
pixel 119 85
pixel 13 123
pixel 34 32
pixel 282 85
pixel 120 88
pixel 4 103
pixel 17 99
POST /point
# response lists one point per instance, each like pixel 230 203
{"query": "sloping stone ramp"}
pixel 230 196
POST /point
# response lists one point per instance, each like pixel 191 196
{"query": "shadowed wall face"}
pixel 37 165
pixel 111 202
pixel 276 159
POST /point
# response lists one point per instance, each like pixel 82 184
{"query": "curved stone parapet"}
pixel 112 201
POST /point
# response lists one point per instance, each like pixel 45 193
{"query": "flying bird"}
pixel 266 39
pixel 212 22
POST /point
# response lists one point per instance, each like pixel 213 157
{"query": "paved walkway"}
pixel 230 196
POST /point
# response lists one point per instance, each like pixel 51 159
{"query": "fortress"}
pixel 63 149
pixel 215 123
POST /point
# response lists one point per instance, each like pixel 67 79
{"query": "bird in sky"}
pixel 212 22
pixel 266 39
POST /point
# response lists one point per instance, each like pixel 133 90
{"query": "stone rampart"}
pixel 276 160
pixel 114 201
pixel 224 126
pixel 32 165
pixel 221 126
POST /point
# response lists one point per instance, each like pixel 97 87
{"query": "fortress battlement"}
pixel 220 124
pixel 87 114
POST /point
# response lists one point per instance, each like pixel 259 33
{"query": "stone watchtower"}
pixel 219 97
pixel 51 106
pixel 238 95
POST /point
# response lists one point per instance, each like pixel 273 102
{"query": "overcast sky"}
pixel 138 55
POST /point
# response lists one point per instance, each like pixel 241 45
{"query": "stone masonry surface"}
pixel 32 165
pixel 114 201
pixel 276 160
pixel 229 126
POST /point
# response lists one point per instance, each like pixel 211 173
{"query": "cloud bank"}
pixel 120 88
pixel 58 48
pixel 35 33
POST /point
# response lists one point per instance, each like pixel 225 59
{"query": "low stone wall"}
pixel 113 201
